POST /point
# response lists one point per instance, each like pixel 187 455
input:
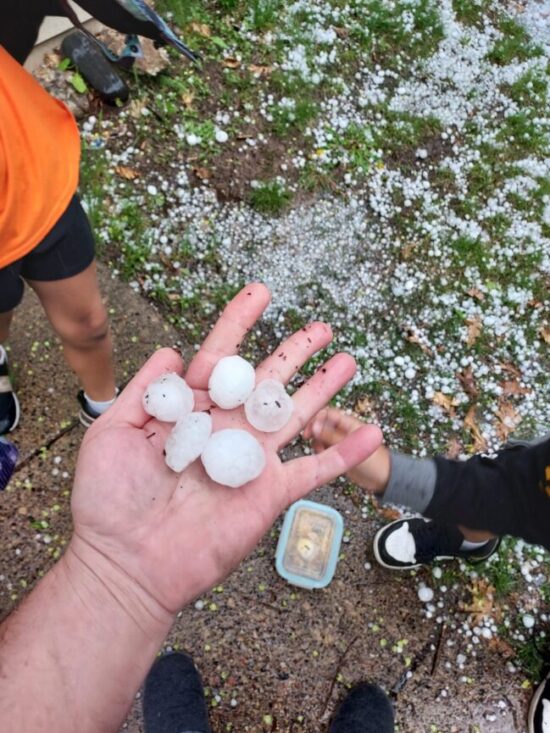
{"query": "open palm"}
pixel 176 535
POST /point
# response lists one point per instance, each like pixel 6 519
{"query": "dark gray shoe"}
pixel 365 709
pixel 173 697
pixel 539 711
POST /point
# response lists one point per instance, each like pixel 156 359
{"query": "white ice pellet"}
pixel 528 620
pixel 187 440
pixel 269 407
pixel 231 382
pixel 425 594
pixel 168 398
pixel 233 457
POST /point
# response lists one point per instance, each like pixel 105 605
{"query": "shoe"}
pixel 86 416
pixel 9 404
pixel 407 544
pixel 88 57
pixel 173 697
pixel 365 709
pixel 8 459
pixel 539 711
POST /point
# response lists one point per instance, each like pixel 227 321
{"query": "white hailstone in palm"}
pixel 233 457
pixel 231 382
pixel 269 407
pixel 168 398
pixel 187 440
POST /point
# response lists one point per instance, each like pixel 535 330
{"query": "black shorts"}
pixel 66 251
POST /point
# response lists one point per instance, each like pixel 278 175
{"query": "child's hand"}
pixel 329 427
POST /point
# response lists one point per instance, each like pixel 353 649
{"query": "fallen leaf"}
pixel 202 173
pixel 446 402
pixel 231 63
pixel 512 387
pixel 260 70
pixel 534 303
pixel 507 420
pixel 454 449
pixel 388 513
pixel 476 293
pixel 413 338
pixel 407 251
pixel 482 603
pixel 187 98
pixel 341 32
pixel 510 369
pixel 502 647
pixel 474 330
pixel 468 382
pixel 545 333
pixel 23 510
pixel 470 423
pixel 201 29
pixel 128 173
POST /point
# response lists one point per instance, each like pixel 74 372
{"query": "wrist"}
pixel 105 589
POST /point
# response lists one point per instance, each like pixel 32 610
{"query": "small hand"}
pixel 176 536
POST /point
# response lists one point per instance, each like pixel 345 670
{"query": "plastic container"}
pixel 309 544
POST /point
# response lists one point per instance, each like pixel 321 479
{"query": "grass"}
pixel 270 198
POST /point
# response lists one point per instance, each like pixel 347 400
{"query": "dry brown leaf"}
pixel 187 98
pixel 128 173
pixel 502 647
pixel 363 406
pixel 510 369
pixel 474 330
pixel 260 70
pixel 468 382
pixel 545 334
pixel 446 402
pixel 202 173
pixel 507 420
pixel 231 63
pixel 413 338
pixel 476 293
pixel 534 303
pixel 470 423
pixel 482 603
pixel 341 32
pixel 454 449
pixel 512 387
pixel 388 513
pixel 23 510
pixel 201 29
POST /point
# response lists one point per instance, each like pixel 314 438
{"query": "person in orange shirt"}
pixel 46 240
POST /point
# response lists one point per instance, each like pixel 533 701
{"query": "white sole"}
pixel 17 412
pixel 533 707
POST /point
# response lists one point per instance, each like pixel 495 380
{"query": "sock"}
pixel 99 407
pixel 467 545
pixel 3 355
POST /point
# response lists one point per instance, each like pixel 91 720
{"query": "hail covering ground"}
pixel 431 260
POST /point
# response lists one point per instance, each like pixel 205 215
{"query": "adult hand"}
pixel 171 537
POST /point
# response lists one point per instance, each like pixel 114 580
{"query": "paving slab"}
pixel 273 657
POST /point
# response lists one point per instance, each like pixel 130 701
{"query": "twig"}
pixel 36 451
pixel 337 672
pixel 438 649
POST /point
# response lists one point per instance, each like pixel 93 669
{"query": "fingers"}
pixel 127 407
pixel 315 393
pixel 305 474
pixel 293 353
pixel 329 426
pixel 238 317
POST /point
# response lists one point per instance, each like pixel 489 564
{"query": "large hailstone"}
pixel 233 457
pixel 231 382
pixel 168 398
pixel 269 407
pixel 187 440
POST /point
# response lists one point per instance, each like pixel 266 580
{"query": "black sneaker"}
pixel 421 542
pixel 365 709
pixel 8 459
pixel 539 711
pixel 9 404
pixel 173 697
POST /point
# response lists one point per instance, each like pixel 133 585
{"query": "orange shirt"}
pixel 39 160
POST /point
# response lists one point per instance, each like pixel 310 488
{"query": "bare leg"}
pixel 76 312
pixel 330 426
pixel 5 322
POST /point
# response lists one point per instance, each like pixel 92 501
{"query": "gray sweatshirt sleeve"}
pixel 412 482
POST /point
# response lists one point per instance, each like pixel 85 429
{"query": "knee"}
pixel 87 329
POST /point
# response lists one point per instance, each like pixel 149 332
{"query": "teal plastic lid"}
pixel 308 547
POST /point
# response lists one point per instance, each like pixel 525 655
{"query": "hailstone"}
pixel 168 398
pixel 233 457
pixel 187 440
pixel 231 382
pixel 269 407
